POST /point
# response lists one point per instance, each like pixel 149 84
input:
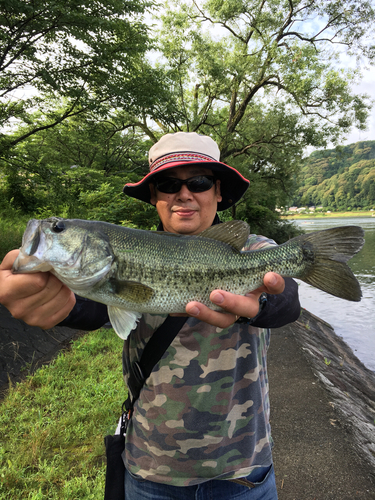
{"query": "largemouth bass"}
pixel 135 271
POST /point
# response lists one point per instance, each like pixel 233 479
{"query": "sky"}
pixel 367 86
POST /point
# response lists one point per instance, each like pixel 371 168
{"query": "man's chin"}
pixel 184 225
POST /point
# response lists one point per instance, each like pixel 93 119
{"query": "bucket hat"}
pixel 189 148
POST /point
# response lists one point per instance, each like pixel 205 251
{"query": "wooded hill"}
pixel 339 179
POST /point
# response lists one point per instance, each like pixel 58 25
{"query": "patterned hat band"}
pixel 180 157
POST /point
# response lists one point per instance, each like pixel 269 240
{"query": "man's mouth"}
pixel 184 212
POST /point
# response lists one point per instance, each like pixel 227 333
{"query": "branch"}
pixel 222 23
pixel 143 126
pixel 245 102
pixel 68 114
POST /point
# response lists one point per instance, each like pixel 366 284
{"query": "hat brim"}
pixel 233 185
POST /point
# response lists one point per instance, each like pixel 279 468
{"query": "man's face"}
pixel 186 212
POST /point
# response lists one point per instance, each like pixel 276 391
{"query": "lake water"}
pixel 353 321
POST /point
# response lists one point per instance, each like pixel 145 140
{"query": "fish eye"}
pixel 58 227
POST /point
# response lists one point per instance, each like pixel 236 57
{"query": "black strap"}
pixel 152 353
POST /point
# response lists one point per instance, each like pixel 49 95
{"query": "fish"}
pixel 135 271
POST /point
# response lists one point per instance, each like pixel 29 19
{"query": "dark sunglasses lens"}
pixel 168 185
pixel 196 184
pixel 200 183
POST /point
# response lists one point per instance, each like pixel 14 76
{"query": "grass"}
pixel 53 423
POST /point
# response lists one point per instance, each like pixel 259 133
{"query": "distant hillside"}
pixel 339 179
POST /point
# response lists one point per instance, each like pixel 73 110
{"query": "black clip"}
pixel 125 417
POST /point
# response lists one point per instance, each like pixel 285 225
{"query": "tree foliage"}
pixel 262 77
pixel 89 54
pixel 74 80
pixel 78 169
pixel 341 178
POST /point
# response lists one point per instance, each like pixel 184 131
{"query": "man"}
pixel 200 427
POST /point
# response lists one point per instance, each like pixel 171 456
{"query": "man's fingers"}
pixel 45 311
pixel 53 311
pixel 18 286
pixel 239 305
pixel 28 291
pixel 274 283
pixel 8 260
pixel 204 313
pixel 234 306
pixel 39 299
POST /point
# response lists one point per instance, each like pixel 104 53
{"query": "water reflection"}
pixel 353 321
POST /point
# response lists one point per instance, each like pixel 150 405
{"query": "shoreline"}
pixel 24 348
pixel 332 215
pixel 322 401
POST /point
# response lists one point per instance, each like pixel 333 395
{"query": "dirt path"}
pixel 322 415
pixel 23 348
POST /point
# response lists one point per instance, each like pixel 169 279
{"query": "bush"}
pixel 12 226
pixel 109 204
pixel 262 220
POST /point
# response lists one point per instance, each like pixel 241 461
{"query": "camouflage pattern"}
pixel 204 411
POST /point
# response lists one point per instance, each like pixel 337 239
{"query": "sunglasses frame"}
pixel 182 182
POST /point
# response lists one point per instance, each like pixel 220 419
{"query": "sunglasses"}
pixel 196 184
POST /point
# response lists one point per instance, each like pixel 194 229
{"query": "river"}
pixel 353 321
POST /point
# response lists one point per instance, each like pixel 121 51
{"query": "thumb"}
pixel 8 260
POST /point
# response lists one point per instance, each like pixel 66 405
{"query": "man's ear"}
pixel 218 191
pixel 153 194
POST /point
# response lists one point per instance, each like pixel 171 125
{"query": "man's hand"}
pixel 39 299
pixel 235 305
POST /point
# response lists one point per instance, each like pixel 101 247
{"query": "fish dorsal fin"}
pixel 132 291
pixel 234 233
pixel 123 321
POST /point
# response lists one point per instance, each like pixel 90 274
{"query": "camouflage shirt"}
pixel 204 411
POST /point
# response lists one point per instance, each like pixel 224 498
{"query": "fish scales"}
pixel 135 271
pixel 191 273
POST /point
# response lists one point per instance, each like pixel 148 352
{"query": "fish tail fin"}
pixel 332 249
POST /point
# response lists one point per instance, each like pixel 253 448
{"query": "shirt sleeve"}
pixel 280 309
pixel 256 242
pixel 86 315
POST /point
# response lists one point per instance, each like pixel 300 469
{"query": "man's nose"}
pixel 184 192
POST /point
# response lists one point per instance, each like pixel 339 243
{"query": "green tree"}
pixel 260 77
pixel 265 80
pixel 351 184
pixel 58 170
pixel 90 54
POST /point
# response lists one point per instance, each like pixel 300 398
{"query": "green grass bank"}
pixel 325 215
pixel 52 424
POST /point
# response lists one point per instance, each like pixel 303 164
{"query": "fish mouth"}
pixel 33 246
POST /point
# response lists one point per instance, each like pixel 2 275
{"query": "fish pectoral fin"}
pixel 132 291
pixel 233 233
pixel 123 321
